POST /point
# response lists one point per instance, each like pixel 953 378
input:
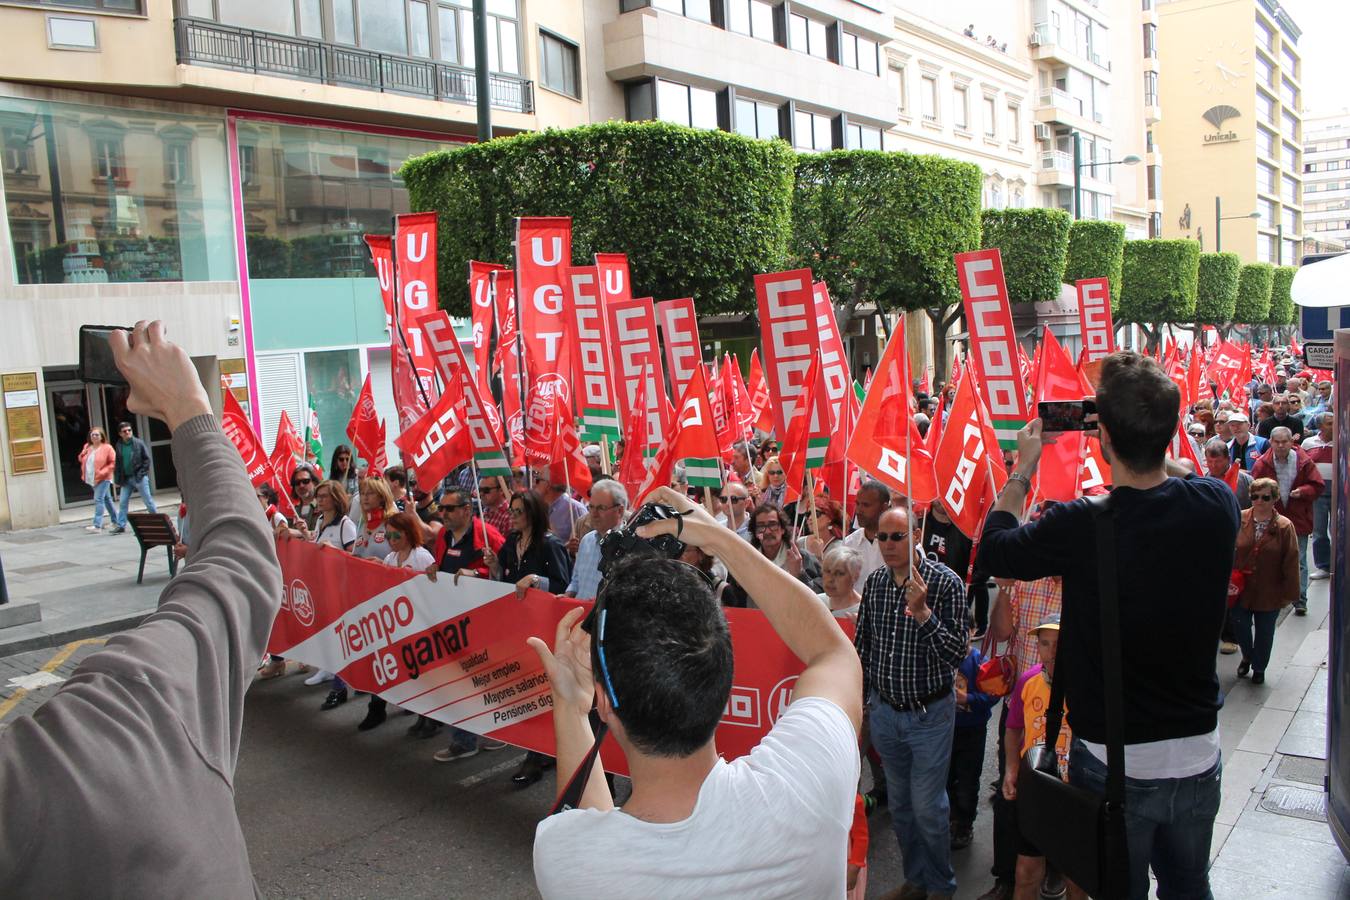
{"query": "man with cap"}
pixel 1244 447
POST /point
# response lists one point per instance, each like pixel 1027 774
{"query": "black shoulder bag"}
pixel 1082 834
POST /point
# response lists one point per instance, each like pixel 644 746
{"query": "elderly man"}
pixel 738 508
pixel 1243 446
pixel 1218 464
pixel 1283 418
pixel 1319 400
pixel 609 502
pixel 1222 425
pixel 1321 447
pixel 873 499
pixel 1300 484
pixel 1264 394
pixel 911 637
pixel 563 508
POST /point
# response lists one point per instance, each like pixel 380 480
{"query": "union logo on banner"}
pixel 300 603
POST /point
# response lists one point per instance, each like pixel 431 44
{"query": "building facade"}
pixel 1326 181
pixel 1233 130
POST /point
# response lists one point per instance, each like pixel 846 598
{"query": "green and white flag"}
pixel 703 472
pixel 313 437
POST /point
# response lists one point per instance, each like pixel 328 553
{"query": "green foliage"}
pixel 884 226
pixel 699 213
pixel 1159 281
pixel 1033 243
pixel 1253 297
pixel 268 257
pixel 1282 311
pixel 1216 291
pixel 1096 250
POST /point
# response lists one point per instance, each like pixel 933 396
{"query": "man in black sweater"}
pixel 1171 602
pixel 1282 418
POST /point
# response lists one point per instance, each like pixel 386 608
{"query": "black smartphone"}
pixel 1067 415
pixel 96 356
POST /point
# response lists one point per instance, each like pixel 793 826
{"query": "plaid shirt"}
pixel 499 517
pixel 901 659
pixel 1032 602
pixel 586 571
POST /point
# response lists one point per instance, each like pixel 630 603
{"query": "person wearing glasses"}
pixel 1268 556
pixel 303 482
pixel 496 503
pixel 658 671
pixel 132 473
pixel 772 483
pixel 771 535
pixel 1321 449
pixel 97 460
pixel 342 469
pixel 911 637
pixel 738 508
pixel 532 557
pixel 1300 484
pixel 609 502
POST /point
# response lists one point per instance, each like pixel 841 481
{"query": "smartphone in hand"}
pixel 1067 415
pixel 96 356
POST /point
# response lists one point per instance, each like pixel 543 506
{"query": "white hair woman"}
pixel 838 571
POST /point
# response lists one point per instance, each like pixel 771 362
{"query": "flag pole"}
pixel 605 465
pixel 478 498
pixel 811 486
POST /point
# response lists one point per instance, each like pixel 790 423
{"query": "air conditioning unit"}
pixel 1043 132
pixel 1097 117
pixel 1034 39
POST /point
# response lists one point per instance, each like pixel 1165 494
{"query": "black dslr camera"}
pixel 623 543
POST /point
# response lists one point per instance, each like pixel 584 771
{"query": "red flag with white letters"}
pixel 513 368
pixel 636 355
pixel 597 407
pixel 439 441
pixel 543 254
pixel 234 422
pixel 994 351
pixel 963 463
pixel 885 442
pixel 363 429
pixel 761 403
pixel 382 258
pixel 480 307
pixel 1094 317
pixel 287 450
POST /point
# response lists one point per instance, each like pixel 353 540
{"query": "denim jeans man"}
pixel 132 473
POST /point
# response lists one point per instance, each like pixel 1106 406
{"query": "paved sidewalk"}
pixel 85 583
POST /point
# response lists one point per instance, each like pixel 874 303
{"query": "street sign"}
pixel 1319 354
pixel 1316 323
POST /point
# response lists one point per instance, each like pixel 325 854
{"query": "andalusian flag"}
pixel 313 437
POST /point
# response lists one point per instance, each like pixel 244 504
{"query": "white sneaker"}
pixel 319 677
pixel 93 529
pixel 491 745
pixel 1319 575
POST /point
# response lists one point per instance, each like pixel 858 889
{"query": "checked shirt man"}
pixel 911 637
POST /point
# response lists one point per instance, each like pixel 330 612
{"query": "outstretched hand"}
pixel 163 382
pixel 568 664
pixel 698 526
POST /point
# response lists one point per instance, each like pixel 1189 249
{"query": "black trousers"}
pixel 963 777
pixel 1005 817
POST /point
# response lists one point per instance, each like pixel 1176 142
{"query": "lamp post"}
pixel 1219 217
pixel 1079 166
pixel 480 65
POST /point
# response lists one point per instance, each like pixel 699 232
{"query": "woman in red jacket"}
pixel 96 463
pixel 1267 554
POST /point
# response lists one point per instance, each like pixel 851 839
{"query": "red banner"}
pixel 382 257
pixel 993 344
pixel 1094 317
pixel 761 404
pixel 615 284
pixel 1229 363
pixel 287 450
pixel 508 353
pixel 964 463
pixel 480 308
pixel 543 253
pixel 833 360
pixel 787 323
pixel 239 430
pixel 439 441
pixel 457 653
pixel 679 328
pixel 480 417
pixel 597 406
pixel 363 429
pixel 637 364
pixel 415 265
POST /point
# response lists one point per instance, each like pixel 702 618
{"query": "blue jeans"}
pixel 1169 823
pixel 1321 535
pixel 1302 570
pixel 141 486
pixel 461 739
pixel 102 500
pixel 916 750
pixel 1257 651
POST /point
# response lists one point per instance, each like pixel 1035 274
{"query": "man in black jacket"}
pixel 131 473
pixel 1170 686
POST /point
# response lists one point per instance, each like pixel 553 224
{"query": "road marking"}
pixel 484 775
pixel 49 666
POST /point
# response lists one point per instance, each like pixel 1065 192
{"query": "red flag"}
pixel 543 254
pixel 437 442
pixel 788 326
pixel 696 434
pixel 286 449
pixel 480 417
pixel 993 344
pixel 480 296
pixel 1227 366
pixel 761 406
pixel 679 326
pixel 1293 347
pixel 722 419
pixel 513 369
pixel 569 465
pixel 739 407
pixel 637 364
pixel 363 429
pixel 597 407
pixel 381 460
pixel 879 439
pixel 795 442
pixel 415 270
pixel 1183 447
pixel 956 368
pixel 963 462
pixel 1060 462
pixel 835 375
pixel 382 257
pixel 1094 317
pixel 237 428
pixel 633 466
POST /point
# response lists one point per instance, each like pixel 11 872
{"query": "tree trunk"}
pixel 942 319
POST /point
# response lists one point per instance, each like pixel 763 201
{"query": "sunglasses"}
pixel 736 499
pixel 773 472
pixel 391 535
pixel 453 506
pixel 896 536
pixel 1268 497
pixel 302 481
pixel 488 489
pixel 772 526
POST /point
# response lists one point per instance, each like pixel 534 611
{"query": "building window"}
pixel 1265 70
pixel 1265 35
pixel 900 80
pixel 1289 156
pixel 120 211
pixel 807 36
pixel 685 105
pixel 1150 88
pixel 559 65
pixel 1289 189
pixel 1333 164
pixel 1150 41
pixel 1265 107
pixel 752 17
pixel 990 117
pixel 1290 122
pixel 1289 218
pixel 1155 225
pixel 126 6
pixel 812 131
pixel 857 53
pixel 756 119
pixel 862 137
pixel 1265 178
pixel 1265 142
pixel 1266 208
pixel 1265 248
pixel 1288 93
pixel 960 108
pixel 248 165
pixel 692 9
pixel 928 98
pixel 1014 124
pixel 1288 61
pixel 1154 178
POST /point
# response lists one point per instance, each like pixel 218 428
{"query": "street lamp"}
pixel 1079 166
pixel 1220 217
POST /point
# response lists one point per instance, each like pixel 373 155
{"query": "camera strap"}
pixel 570 797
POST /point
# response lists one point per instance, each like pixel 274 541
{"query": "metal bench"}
pixel 154 530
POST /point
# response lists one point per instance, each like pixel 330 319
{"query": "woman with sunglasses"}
pixel 828 528
pixel 531 558
pixel 772 483
pixel 343 469
pixel 1267 555
pixel 97 461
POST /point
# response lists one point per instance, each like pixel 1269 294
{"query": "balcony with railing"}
pixel 204 43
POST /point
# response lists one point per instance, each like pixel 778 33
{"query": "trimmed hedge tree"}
pixel 1033 244
pixel 1159 283
pixel 1253 297
pixel 1282 310
pixel 698 212
pixel 1217 287
pixel 1096 250
pixel 883 227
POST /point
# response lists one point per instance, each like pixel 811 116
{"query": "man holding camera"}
pixel 657 668
pixel 1170 686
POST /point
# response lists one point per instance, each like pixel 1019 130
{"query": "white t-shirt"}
pixel 340 534
pixel 420 558
pixel 771 824
pixel 871 556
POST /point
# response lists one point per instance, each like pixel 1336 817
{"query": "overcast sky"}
pixel 1325 25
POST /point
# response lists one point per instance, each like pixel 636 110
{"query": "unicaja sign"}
pixel 1216 116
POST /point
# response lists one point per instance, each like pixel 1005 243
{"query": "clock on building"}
pixel 1221 68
